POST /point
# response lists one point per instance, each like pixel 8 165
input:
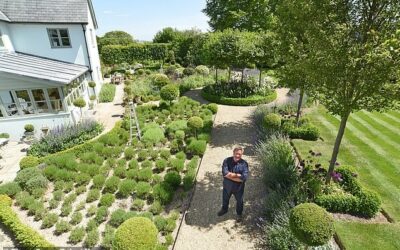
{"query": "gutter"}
pixel 87 51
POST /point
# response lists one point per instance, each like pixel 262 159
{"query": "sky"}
pixel 144 18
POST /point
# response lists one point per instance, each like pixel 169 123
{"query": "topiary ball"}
pixel 138 233
pixel 311 224
pixel 29 128
pixel 272 121
pixel 28 162
pixel 92 84
pixel 160 80
pixel 203 70
pixel 169 92
pixel 195 122
pixel 79 102
pixel 5 200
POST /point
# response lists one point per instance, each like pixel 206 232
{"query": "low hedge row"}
pixel 248 101
pixel 358 201
pixel 26 237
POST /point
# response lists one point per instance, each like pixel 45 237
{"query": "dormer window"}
pixel 59 38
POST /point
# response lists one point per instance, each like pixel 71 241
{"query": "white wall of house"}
pixel 6 37
pixel 34 39
pixel 15 126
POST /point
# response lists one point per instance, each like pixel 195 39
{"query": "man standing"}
pixel 235 171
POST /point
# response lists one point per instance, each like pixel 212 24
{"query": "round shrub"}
pixel 189 71
pixel 79 102
pixel 181 155
pixel 62 227
pixel 28 162
pixel 180 135
pixel 76 218
pixel 173 178
pixel 26 175
pixel 137 204
pixel 93 195
pixel 202 70
pixel 10 189
pixel 272 121
pixel 143 189
pixel 98 181
pixel 101 214
pixel 92 84
pixel 213 107
pixel 177 125
pixel 197 147
pixel 126 188
pixel 49 220
pixel 165 153
pixel 120 171
pixel 29 128
pixel 160 80
pixel 145 174
pixel 137 233
pixel 133 164
pixel 161 164
pixel 36 182
pixel 92 238
pixel 76 235
pixel 117 217
pixel 111 185
pixel 5 200
pixel 82 179
pixel 107 200
pixel 142 155
pixel 169 92
pixel 129 153
pixel 153 135
pixel 163 192
pixel 311 224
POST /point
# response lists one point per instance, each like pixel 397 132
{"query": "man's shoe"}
pixel 239 218
pixel 222 212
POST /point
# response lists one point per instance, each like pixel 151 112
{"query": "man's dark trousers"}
pixel 237 189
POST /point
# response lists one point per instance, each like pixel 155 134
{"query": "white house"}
pixel 48 54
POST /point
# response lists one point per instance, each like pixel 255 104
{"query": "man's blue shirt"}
pixel 240 167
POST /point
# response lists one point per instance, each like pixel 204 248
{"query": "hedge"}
pixel 114 54
pixel 107 93
pixel 358 201
pixel 248 101
pixel 138 233
pixel 26 237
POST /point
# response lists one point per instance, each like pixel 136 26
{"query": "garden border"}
pixel 248 101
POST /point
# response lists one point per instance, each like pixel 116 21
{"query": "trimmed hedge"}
pixel 311 224
pixel 114 54
pixel 248 101
pixel 29 162
pixel 358 201
pixel 25 236
pixel 138 233
pixel 107 93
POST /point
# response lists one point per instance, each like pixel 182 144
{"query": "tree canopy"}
pixel 115 38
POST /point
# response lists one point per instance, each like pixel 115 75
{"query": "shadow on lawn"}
pixel 208 193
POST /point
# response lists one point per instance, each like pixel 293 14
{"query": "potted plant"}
pixel 93 85
pixel 80 103
pixel 29 129
pixel 92 101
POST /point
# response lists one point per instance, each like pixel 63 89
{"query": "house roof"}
pixel 40 68
pixel 46 11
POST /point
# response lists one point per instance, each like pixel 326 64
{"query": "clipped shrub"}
pixel 188 180
pixel 108 237
pixel 142 155
pixel 10 189
pixel 197 147
pixel 101 214
pixel 213 107
pixel 143 189
pixel 29 128
pixel 76 218
pixel 92 238
pixel 311 224
pixel 29 162
pixel 25 175
pixel 173 178
pixel 156 207
pixel 160 80
pixel 163 192
pixel 133 164
pixel 107 93
pixel 160 222
pixel 177 125
pixel 153 135
pixel 169 92
pixel 82 179
pixel 165 154
pixel 126 188
pixel 180 135
pixel 5 200
pixel 93 195
pixel 189 71
pixel 137 204
pixel 195 123
pixel 91 211
pixel 129 153
pixel 49 220
pixel 107 200
pixel 111 184
pixel 76 235
pixel 145 174
pixel 66 209
pixel 98 181
pixel 137 233
pixel 120 171
pixel 202 70
pixel 161 164
pixel 62 227
pixel 36 182
pixel 117 217
pixel 272 121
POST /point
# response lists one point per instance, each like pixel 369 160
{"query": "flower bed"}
pixel 64 137
pixel 81 195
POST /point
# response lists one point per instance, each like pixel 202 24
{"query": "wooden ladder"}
pixel 134 127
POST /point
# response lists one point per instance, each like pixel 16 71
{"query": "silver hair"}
pixel 238 148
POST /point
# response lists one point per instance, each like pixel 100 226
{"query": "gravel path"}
pixel 202 228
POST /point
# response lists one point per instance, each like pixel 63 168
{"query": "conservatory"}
pixel 38 91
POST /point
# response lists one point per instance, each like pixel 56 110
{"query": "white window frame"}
pixel 59 38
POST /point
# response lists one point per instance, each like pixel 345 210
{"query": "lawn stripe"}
pixel 384 122
pixel 373 138
pixel 392 117
pixel 378 128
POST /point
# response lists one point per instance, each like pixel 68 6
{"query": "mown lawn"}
pixel 371 144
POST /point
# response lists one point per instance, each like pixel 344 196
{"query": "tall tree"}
pixel 166 35
pixel 350 61
pixel 251 15
pixel 116 37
